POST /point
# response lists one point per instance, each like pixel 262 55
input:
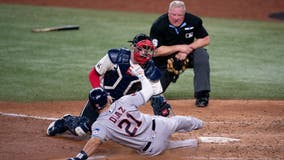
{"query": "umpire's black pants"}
pixel 199 61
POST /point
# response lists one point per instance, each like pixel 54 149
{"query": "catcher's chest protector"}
pixel 117 82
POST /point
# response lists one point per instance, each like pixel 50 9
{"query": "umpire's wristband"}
pixel 82 155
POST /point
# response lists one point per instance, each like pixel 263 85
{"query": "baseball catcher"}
pixel 110 74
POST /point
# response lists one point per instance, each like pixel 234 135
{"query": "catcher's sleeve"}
pixel 94 78
pixel 104 65
pixel 100 69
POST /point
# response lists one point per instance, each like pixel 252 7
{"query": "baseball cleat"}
pixel 202 102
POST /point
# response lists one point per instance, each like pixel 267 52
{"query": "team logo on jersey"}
pixel 96 131
pixel 189 35
pixel 99 66
pixel 155 42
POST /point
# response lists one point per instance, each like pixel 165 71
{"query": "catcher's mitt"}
pixel 177 66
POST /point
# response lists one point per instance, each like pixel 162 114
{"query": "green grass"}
pixel 246 57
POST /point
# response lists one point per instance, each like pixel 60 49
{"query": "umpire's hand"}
pixel 181 56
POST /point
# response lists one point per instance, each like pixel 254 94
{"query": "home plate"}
pixel 217 139
pixel 97 157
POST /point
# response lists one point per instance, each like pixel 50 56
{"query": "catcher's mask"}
pixel 98 98
pixel 143 48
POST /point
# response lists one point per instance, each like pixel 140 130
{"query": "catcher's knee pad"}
pixel 160 106
pixel 78 126
pixel 83 127
pixel 56 127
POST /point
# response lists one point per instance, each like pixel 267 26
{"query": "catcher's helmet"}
pixel 139 37
pixel 143 48
pixel 98 98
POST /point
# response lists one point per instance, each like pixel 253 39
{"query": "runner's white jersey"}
pixel 124 124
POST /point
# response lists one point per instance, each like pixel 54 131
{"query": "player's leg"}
pixel 165 127
pixel 159 137
pixel 201 77
pixel 90 113
pixel 81 125
pixel 56 127
pixel 183 143
pixel 77 125
pixel 185 123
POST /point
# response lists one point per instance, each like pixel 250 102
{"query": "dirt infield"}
pixel 259 124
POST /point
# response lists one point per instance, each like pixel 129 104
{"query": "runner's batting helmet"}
pixel 98 98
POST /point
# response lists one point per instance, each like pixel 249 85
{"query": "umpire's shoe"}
pixel 202 102
pixel 202 98
pixel 57 127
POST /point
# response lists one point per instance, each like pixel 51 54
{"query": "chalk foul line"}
pixel 27 116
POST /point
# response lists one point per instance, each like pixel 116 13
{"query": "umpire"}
pixel 180 38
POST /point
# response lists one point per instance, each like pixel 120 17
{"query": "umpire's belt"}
pixel 149 143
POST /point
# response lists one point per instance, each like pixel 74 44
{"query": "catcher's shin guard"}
pixel 56 127
pixel 78 126
pixel 160 106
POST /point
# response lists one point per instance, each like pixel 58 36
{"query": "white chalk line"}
pixel 27 116
pixel 230 122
